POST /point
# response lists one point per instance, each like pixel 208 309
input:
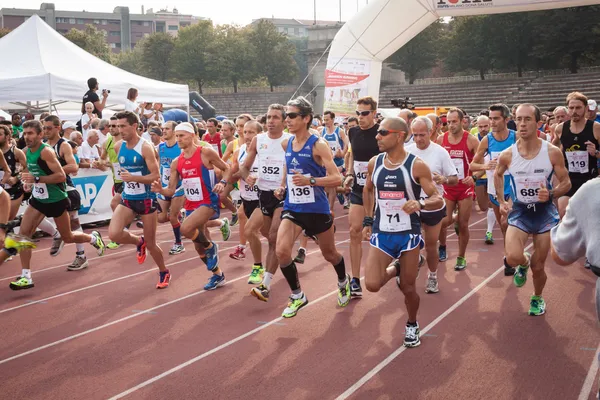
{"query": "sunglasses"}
pixel 385 132
pixel 112 126
pixel 363 113
pixel 294 115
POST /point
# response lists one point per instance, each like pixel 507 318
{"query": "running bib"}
pixel 117 171
pixel 391 216
pixel 215 148
pixel 166 175
pixel 249 192
pixel 270 168
pixel 300 194
pixel 6 185
pixel 360 170
pixel 528 187
pixel 192 188
pixel 135 188
pixel 578 161
pixel 460 167
pixel 40 191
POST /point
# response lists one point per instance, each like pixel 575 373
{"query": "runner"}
pixel 395 179
pixel 229 144
pixel 531 162
pixel 266 149
pixel 49 199
pixel 444 173
pixel 338 143
pixel 193 168
pixel 11 182
pixel 462 146
pixel 170 207
pixel 309 169
pixel 364 147
pixel 212 136
pixel 486 159
pixel 481 195
pixel 578 139
pixel 138 169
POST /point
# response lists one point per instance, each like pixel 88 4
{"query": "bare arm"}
pixel 503 163
pixel 560 171
pixel 57 175
pixel 422 173
pixel 478 163
pixel 5 168
pixel 149 154
pixel 322 151
pixel 369 190
pixel 67 153
pixel 345 140
pixel 171 188
pixel 557 134
pixel 249 161
pixel 235 167
pixel 228 151
pixel 213 159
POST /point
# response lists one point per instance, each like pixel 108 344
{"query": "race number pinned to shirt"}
pixel 360 170
pixel 117 171
pixel 271 168
pixel 528 187
pixel 135 188
pixel 459 164
pixel 192 188
pixel 300 194
pixel 578 161
pixel 392 217
pixel 166 175
pixel 40 191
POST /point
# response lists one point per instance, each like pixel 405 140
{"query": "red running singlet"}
pixel 461 158
pixel 197 181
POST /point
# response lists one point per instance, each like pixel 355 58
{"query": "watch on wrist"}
pixel 422 204
pixel 312 181
pixel 223 181
pixel 36 179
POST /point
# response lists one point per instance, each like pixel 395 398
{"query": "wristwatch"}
pixel 312 181
pixel 223 181
pixel 422 204
pixel 36 179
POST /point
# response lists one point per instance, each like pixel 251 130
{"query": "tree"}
pixel 131 60
pixel 196 54
pixel 470 44
pixel 4 32
pixel 420 53
pixel 301 45
pixel 91 40
pixel 156 52
pixel 276 54
pixel 236 55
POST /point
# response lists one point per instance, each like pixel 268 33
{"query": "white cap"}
pixel 592 105
pixel 185 126
pixel 69 124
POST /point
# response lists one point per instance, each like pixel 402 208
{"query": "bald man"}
pixel 436 129
pixel 408 116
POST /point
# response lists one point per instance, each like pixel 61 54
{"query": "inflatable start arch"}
pixel 383 26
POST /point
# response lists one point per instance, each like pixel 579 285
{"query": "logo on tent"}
pixel 464 3
pixel 89 188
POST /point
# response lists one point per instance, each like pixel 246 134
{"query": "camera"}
pixel 403 103
pixel 105 91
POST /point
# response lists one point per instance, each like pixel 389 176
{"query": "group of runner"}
pixel 407 183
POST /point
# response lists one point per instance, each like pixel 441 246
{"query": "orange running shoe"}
pixel 141 251
pixel 165 278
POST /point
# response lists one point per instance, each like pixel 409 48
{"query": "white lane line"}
pixel 588 384
pixel 431 325
pixel 143 312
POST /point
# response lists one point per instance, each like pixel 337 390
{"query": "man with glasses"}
pixel 364 147
pixel 395 181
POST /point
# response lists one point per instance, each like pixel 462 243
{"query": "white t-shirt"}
pixel 131 106
pixel 85 119
pixel 146 136
pixel 437 159
pixel 88 152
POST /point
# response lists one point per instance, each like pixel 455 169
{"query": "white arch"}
pixel 383 26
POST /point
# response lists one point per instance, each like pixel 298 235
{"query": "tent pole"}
pixel 50 106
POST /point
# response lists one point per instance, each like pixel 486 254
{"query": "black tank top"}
pixel 580 168
pixel 62 161
pixel 11 160
pixel 364 147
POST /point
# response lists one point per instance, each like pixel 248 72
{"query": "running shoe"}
pixel 98 243
pixel 78 264
pixel 113 245
pixel 261 292
pixel 215 281
pixel 294 305
pixel 537 305
pixel 18 242
pixel 443 256
pixel 212 257
pixel 489 239
pixel 225 231
pixel 300 257
pixel 234 219
pixel 181 216
pixel 177 249
pixel 141 251
pixel 432 285
pixel 344 292
pixel 164 279
pixel 520 276
pixel 57 246
pixel 412 335
pixel 256 276
pixel 355 289
pixel 238 253
pixel 21 283
pixel 340 198
pixel 139 224
pixel 461 263
pixel 587 264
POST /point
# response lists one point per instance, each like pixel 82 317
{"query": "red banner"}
pixel 336 79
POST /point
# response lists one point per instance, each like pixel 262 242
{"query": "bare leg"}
pixel 355 218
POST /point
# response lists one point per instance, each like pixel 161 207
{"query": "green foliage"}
pixel 91 40
pixel 236 55
pixel 4 32
pixel 156 52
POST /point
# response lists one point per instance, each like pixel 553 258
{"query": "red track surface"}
pixel 106 332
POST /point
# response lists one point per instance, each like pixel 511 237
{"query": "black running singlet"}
pixel 581 165
pixel 364 147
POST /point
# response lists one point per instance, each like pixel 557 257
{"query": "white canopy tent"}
pixel 383 26
pixel 51 68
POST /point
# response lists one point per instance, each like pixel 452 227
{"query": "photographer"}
pixel 93 98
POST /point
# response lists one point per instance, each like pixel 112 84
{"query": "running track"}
pixel 105 332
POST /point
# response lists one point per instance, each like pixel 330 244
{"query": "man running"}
pixel 394 181
pixel 462 146
pixel 138 169
pixel 168 150
pixel 194 169
pixel 481 193
pixel 309 169
pixel 46 178
pixel 531 162
pixel 364 147
pixel 444 173
pixel 578 139
pixel 338 142
pixel 486 159
pixel 266 149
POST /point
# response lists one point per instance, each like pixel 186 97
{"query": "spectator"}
pixel 17 129
pixel 87 117
pixel 104 130
pixel 68 127
pixel 92 97
pixel 89 150
pixel 593 111
pixel 158 113
pixel 131 104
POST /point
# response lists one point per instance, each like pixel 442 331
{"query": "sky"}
pixel 240 12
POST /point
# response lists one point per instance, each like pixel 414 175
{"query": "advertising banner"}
pixel 345 83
